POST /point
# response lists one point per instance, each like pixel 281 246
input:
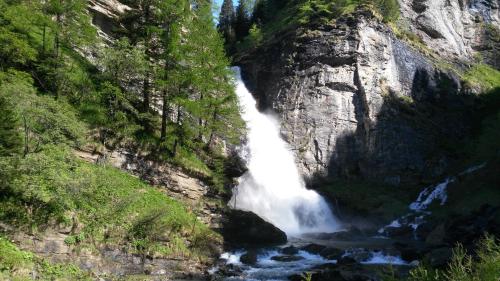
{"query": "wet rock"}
pixel 360 255
pixel 323 273
pixel 346 261
pixel 331 253
pixel 352 233
pixel 400 232
pixel 313 248
pixel 236 166
pixel 229 270
pixel 287 258
pixel 291 250
pixel 246 228
pixel 249 257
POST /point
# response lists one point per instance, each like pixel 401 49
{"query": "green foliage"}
pixel 369 198
pixel 114 207
pixel 10 137
pixel 15 47
pixel 16 264
pixel 388 8
pixel 483 76
pixel 306 276
pixel 226 21
pixel 273 17
pixel 44 120
pixel 463 267
pixel 51 96
pixel 123 63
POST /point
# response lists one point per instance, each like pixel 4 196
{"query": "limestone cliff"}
pixel 357 99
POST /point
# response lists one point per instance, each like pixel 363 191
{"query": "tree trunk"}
pixel 56 63
pixel 26 137
pixel 178 122
pixel 145 94
pixel 164 114
pixel 212 134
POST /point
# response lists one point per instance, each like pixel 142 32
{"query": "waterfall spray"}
pixel 273 188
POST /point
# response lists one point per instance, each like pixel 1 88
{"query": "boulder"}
pixel 400 232
pixel 249 257
pixel 331 253
pixel 346 261
pixel 246 228
pixel 287 258
pixel 313 248
pixel 290 250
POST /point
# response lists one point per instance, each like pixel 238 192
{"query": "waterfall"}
pixel 273 188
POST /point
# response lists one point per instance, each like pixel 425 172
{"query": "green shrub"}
pixel 16 264
pixel 483 76
pixel 464 267
pixel 44 120
pixel 112 206
pixel 388 8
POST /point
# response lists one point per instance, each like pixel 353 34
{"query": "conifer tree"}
pixel 10 137
pixel 71 28
pixel 226 19
pixel 259 12
pixel 242 20
pixel 143 26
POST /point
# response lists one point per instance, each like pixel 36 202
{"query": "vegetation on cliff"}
pixel 484 265
pixel 250 28
pixel 16 264
pixel 164 88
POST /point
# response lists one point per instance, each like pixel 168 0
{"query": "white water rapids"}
pixel 273 188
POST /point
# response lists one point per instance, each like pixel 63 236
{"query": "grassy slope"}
pixel 50 185
pixel 17 265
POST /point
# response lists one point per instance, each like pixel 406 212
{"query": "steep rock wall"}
pixel 355 101
pixel 454 28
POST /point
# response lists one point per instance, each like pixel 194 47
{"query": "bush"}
pixel 485 266
pixel 44 120
pixel 16 264
pixel 483 76
pixel 112 206
pixel 389 9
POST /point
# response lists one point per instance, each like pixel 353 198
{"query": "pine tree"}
pixel 242 20
pixel 71 28
pixel 10 137
pixel 216 108
pixel 259 12
pixel 145 26
pixel 226 19
pixel 174 14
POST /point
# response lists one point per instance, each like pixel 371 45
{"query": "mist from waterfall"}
pixel 273 188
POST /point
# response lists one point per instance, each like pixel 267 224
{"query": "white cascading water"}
pixel 273 188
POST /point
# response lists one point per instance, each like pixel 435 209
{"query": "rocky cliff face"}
pixel 105 15
pixel 454 29
pixel 356 101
